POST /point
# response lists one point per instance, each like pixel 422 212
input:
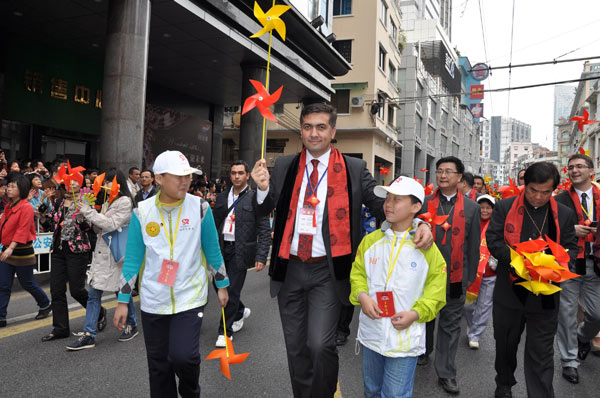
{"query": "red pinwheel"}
pixel 424 170
pixel 437 220
pixel 227 357
pixel 384 171
pixel 418 180
pixel 584 152
pixel 582 120
pixel 511 190
pixel 70 174
pixel 262 100
pixel 428 189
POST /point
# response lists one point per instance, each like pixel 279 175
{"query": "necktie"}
pixel 584 204
pixel 305 241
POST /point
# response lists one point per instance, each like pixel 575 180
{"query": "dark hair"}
pixel 460 167
pixel 241 163
pixel 121 180
pixel 23 184
pixel 131 170
pixel 468 178
pixel 588 160
pixel 319 107
pixel 520 172
pixel 31 176
pixel 14 161
pixel 211 184
pixel 486 200
pixel 414 200
pixel 148 171
pixel 541 172
pixel 90 171
pixel 479 178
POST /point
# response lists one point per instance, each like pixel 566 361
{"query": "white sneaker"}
pixel 474 345
pixel 221 342
pixel 237 325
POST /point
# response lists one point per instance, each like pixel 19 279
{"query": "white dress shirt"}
pixel 590 210
pixel 231 198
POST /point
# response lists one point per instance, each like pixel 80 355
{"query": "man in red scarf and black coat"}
pixel 318 195
pixel 532 214
pixel 459 239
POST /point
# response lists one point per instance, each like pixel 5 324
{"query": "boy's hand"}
pixel 404 319
pixel 223 296
pixel 369 306
pixel 423 237
pixel 120 317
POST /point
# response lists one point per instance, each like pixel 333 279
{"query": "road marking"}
pixel 338 393
pixel 26 327
pixel 26 294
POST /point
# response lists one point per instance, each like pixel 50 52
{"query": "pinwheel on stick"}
pixel 227 355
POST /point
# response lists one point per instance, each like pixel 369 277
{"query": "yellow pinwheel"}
pixel 270 20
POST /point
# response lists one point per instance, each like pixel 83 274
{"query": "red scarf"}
pixel 472 195
pixel 484 256
pixel 578 209
pixel 514 220
pixel 458 233
pixel 337 206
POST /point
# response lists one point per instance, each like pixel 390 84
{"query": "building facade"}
pixel 563 102
pixel 509 130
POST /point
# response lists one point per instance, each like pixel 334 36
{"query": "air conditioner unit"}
pixel 357 102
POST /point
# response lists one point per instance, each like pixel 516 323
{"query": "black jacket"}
pixel 139 197
pixel 252 231
pixel 511 295
pixel 360 185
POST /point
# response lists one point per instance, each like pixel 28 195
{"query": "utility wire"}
pixel 554 61
pixel 485 48
pixel 512 32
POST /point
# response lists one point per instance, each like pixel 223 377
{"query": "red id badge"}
pixel 385 302
pixel 168 271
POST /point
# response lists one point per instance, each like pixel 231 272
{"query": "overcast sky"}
pixel 543 30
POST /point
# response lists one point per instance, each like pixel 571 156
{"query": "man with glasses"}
pixel 574 343
pixel 458 238
pixel 533 214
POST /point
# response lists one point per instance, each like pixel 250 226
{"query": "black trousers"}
pixel 234 311
pixel 173 348
pixel 346 315
pixel 541 325
pixel 67 267
pixel 309 309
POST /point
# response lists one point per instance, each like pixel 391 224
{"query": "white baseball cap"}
pixel 488 198
pixel 173 162
pixel 401 186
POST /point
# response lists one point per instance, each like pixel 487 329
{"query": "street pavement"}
pixel 30 368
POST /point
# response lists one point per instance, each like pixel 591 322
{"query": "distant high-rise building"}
pixel 563 102
pixel 508 130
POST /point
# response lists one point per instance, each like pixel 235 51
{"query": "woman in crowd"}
pixel 478 307
pixel 14 166
pixel 105 269
pixel 17 233
pixel 4 200
pixel 71 249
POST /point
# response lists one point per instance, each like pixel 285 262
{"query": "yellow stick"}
pixel 264 126
pixel 73 193
pixel 225 331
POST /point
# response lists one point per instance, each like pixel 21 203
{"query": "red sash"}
pixel 514 220
pixel 337 206
pixel 458 233
pixel 484 256
pixel 578 209
pixel 472 195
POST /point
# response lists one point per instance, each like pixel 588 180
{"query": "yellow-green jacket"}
pixel 418 282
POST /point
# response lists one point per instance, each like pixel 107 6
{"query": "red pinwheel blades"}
pixel 582 120
pixel 262 100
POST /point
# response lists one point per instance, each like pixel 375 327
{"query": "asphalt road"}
pixel 30 368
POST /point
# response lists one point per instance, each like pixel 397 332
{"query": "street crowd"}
pixel 416 260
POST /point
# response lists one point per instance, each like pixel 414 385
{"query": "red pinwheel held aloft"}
pixel 262 100
pixel 582 120
pixel 227 357
pixel 511 190
pixel 384 171
pixel 70 174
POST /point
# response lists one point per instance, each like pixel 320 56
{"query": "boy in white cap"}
pixel 399 288
pixel 173 244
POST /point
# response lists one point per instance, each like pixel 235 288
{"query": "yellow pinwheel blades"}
pixel 270 20
pixel 518 264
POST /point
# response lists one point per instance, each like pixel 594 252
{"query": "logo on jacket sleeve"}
pixel 152 229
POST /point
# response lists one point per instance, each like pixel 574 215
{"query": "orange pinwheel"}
pixel 384 171
pixel 511 190
pixel 582 120
pixel 114 190
pixel 437 220
pixel 583 151
pixel 97 185
pixel 70 174
pixel 227 355
pixel 270 20
pixel 262 100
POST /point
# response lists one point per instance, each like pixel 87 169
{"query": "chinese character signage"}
pixel 477 91
pixel 42 243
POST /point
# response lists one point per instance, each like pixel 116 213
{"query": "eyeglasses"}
pixel 578 167
pixel 447 172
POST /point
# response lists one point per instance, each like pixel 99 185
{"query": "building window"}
pixel 430 135
pixel 381 102
pixel 526 148
pixel 419 126
pixel 341 101
pixel 392 75
pixel 384 11
pixel 390 116
pixel 454 149
pixel 393 30
pixel 516 156
pixel 443 143
pixel 344 47
pixel 342 7
pixel 382 56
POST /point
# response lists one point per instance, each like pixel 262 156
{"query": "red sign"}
pixel 477 91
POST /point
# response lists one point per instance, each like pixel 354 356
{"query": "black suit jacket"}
pixel 360 186
pixel 252 230
pixel 505 292
pixel 139 197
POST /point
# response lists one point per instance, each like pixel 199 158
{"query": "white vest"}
pixel 190 287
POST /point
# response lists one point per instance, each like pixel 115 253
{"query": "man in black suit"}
pixel 534 213
pixel 318 195
pixel 148 189
pixel 245 238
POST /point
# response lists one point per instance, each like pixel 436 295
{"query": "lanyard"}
pixel 393 264
pixel 171 242
pixel 312 191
